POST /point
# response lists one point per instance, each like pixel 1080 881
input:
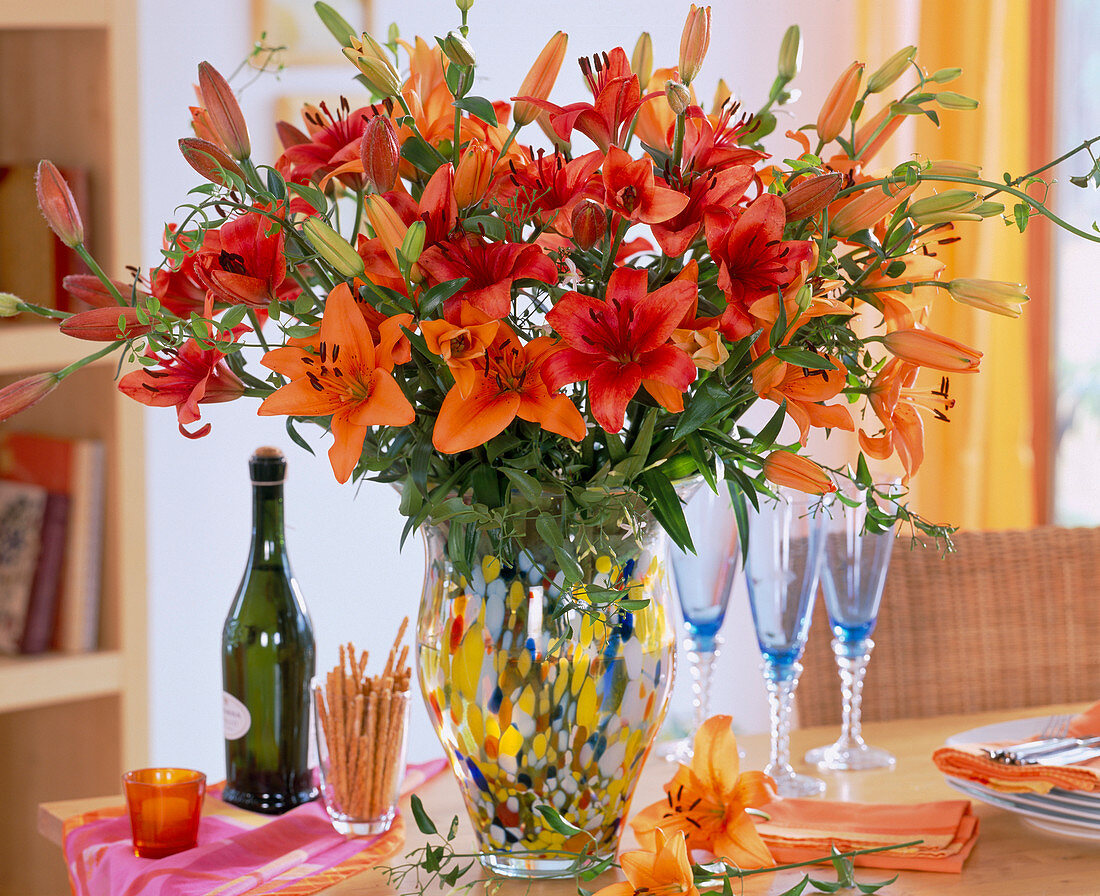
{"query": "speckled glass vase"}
pixel 532 715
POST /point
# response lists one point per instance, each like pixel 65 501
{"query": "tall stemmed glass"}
pixel 781 569
pixel 704 581
pixel 857 556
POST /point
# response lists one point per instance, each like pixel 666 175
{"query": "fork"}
pixel 1051 737
pixel 1056 726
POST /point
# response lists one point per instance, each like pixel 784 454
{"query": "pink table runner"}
pixel 294 854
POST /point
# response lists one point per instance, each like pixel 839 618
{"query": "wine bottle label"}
pixel 236 718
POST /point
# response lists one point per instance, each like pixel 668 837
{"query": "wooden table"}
pixel 1010 858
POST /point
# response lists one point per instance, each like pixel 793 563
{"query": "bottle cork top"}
pixel 267 466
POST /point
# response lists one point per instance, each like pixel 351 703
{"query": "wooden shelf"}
pixel 30 346
pixel 55 13
pixel 58 678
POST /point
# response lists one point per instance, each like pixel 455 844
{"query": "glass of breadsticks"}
pixel 361 722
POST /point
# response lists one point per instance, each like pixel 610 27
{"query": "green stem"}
pixel 258 329
pixel 508 142
pixel 612 251
pixel 42 312
pixel 456 148
pixel 102 353
pixel 678 142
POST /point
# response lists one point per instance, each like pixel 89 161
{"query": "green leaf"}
pixel 699 455
pixel 420 154
pixel 296 437
pixel 310 194
pixel 528 486
pixel 803 358
pixel 704 404
pixel 556 823
pixel 1020 214
pixel 797 889
pixel 765 439
pixel 662 499
pixel 489 225
pixel 336 24
pixel 549 530
pixel 423 821
pixel 569 566
pixel 874 888
pixel 599 868
pixel 480 107
pixel 439 294
pixel 636 459
pixel 863 473
pixel 824 886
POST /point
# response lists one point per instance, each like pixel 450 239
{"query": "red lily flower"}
pixel 333 140
pixel 243 262
pixel 508 385
pixel 618 344
pixel 548 188
pixel 704 192
pixel 349 378
pixel 753 259
pixel 490 268
pixel 185 378
pixel 178 286
pixel 617 96
pixel 630 189
pixel 711 143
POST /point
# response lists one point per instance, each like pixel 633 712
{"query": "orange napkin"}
pixel 969 762
pixel 1086 724
pixel 805 829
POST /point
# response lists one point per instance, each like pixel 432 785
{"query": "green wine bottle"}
pixel 268 657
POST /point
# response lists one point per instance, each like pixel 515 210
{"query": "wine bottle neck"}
pixel 268 535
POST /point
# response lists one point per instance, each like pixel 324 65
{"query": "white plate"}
pixel 1043 816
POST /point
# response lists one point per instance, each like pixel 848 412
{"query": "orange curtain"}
pixel 979 469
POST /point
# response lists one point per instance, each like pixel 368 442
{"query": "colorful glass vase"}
pixel 539 707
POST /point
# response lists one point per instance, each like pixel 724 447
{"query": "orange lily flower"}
pixel 839 103
pixel 930 349
pixel 806 392
pixel 475 168
pixel 904 310
pixel 186 378
pixel 508 385
pixel 656 119
pixel 348 378
pixel 540 79
pixel 706 802
pixel 664 870
pixel 460 345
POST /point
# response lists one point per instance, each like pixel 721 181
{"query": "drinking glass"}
pixel 852 578
pixel 165 805
pixel 703 583
pixel 781 569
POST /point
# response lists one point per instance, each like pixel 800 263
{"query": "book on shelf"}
pixel 22 508
pixel 45 595
pixel 73 468
pixel 33 261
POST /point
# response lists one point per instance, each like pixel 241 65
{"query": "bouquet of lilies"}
pixel 487 323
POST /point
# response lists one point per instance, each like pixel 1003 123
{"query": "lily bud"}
pixel 412 246
pixel 474 171
pixel 210 161
pixel 810 195
pixel 641 60
pixel 997 296
pixel 870 136
pixel 380 153
pixel 223 111
pixel 951 100
pixel 790 53
pixel 336 24
pixel 785 468
pixel 458 49
pixel 55 201
pixel 705 346
pixel 839 103
pixel 371 60
pixel 333 248
pixel 866 210
pixel 89 288
pixel 25 393
pixel 105 324
pixel 540 79
pixel 464 5
pixel 589 223
pixel 679 97
pixel 952 168
pixel 946 206
pixel 694 42
pixel 10 305
pixel 927 349
pixel 892 69
pixel 388 226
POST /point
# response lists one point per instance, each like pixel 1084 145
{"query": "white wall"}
pixel 343 542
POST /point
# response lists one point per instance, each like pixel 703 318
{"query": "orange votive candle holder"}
pixel 165 806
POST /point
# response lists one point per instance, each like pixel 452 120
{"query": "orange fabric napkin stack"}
pixel 970 762
pixel 799 830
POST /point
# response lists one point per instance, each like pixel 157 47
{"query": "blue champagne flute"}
pixel 786 538
pixel 703 584
pixel 852 579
